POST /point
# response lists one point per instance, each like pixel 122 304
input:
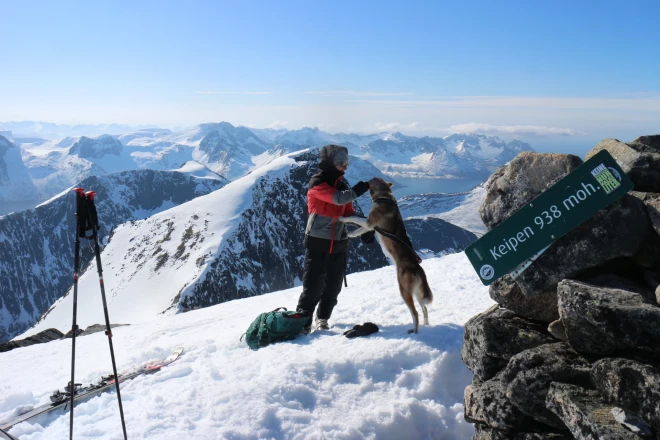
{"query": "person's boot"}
pixel 306 330
pixel 322 324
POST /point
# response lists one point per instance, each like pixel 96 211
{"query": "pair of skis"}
pixel 61 399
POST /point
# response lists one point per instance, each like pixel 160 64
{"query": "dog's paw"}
pixel 412 330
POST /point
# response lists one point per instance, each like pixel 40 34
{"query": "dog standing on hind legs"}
pixel 385 218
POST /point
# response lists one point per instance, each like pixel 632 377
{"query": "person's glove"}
pixel 368 237
pixel 361 330
pixel 361 187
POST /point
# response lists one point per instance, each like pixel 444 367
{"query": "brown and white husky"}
pixel 385 217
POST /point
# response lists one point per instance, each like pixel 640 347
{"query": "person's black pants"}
pixel 323 275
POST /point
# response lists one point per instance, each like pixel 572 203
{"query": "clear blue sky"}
pixel 565 69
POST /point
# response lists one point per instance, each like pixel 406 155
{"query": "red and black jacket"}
pixel 329 197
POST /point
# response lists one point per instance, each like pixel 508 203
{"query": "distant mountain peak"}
pixel 88 148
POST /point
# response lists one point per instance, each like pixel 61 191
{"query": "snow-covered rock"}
pixel 228 150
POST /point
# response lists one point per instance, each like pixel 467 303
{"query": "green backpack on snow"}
pixel 276 326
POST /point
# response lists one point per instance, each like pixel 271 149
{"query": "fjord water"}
pixel 410 186
pixel 15 206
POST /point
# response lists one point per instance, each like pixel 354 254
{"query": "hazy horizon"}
pixel 561 75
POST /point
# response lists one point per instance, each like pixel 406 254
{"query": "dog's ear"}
pixel 390 184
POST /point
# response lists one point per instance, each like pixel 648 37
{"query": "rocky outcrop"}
pixel 639 159
pixel 88 148
pixel 591 368
pixel 541 307
pixel 604 321
pixel 612 233
pixel 631 385
pixel 653 210
pixel 584 413
pixel 521 180
pixel 487 403
pixel 485 432
pixel 438 235
pixel 493 337
pixel 528 375
pixel 44 336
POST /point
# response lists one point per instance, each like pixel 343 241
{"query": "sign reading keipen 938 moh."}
pixel 594 185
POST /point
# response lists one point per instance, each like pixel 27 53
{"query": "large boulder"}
pixel 528 375
pixel 557 330
pixel 528 175
pixel 585 415
pixel 653 281
pixel 485 432
pixel 494 336
pixel 507 293
pixel 486 402
pixel 639 159
pixel 631 385
pixel 43 336
pixel 614 232
pixel 629 278
pixel 649 254
pixel 653 210
pixel 604 320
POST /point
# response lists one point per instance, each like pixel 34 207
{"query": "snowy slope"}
pixel 228 150
pixel 466 215
pixel 196 169
pixel 387 385
pixel 36 245
pixel 15 182
pixel 460 209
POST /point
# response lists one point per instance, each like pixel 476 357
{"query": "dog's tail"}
pixel 423 292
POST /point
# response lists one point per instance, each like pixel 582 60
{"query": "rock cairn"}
pixel 572 349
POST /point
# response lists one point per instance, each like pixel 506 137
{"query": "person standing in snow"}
pixel 329 197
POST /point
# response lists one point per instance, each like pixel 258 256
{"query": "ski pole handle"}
pixel 91 208
pixel 81 211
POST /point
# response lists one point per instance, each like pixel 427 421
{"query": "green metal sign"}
pixel 594 185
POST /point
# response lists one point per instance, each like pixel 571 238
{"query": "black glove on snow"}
pixel 368 237
pixel 361 330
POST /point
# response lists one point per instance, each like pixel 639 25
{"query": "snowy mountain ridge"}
pixel 15 182
pixel 233 152
pixel 244 239
pixel 37 245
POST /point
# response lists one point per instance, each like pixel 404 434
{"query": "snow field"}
pixel 388 385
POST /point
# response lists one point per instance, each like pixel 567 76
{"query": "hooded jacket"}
pixel 329 197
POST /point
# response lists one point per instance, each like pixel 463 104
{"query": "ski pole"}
pixel 93 217
pixel 81 223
